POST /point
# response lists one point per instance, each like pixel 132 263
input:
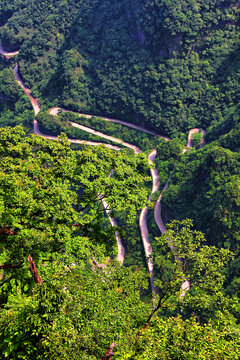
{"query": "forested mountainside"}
pixel 70 211
pixel 74 303
pixel 171 65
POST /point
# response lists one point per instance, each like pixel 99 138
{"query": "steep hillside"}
pixel 171 65
pixel 69 210
pixel 77 301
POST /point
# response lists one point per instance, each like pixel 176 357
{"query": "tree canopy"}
pixel 166 66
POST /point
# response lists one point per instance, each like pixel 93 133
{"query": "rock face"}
pixel 170 44
pixel 134 26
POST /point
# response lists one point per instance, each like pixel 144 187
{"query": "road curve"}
pixel 194 131
pixel 36 107
pixel 121 250
pixel 34 102
pixel 151 157
pixel 104 136
pixel 72 141
pixel 54 111
pixel 143 219
pixel 157 210
pixel 155 179
pixel 8 54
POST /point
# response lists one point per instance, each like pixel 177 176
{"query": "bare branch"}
pixel 33 271
pixel 110 353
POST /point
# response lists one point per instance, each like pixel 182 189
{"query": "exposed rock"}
pixel 134 26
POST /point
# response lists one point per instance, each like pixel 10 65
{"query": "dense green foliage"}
pixel 56 124
pixel 231 140
pixel 173 73
pixel 15 107
pixel 48 166
pixel 205 185
pixel 46 188
pixel 177 339
pixel 167 65
pixel 167 156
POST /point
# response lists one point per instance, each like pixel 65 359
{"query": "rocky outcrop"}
pixel 169 46
pixel 134 25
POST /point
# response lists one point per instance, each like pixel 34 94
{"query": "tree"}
pixel 181 257
pixel 176 338
pixel 49 195
pixel 79 312
pixel 49 211
pixel 197 139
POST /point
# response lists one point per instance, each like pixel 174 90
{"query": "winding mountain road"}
pixel 54 111
pixel 157 209
pixel 157 212
pixel 137 150
pixel 37 108
pixel 143 219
